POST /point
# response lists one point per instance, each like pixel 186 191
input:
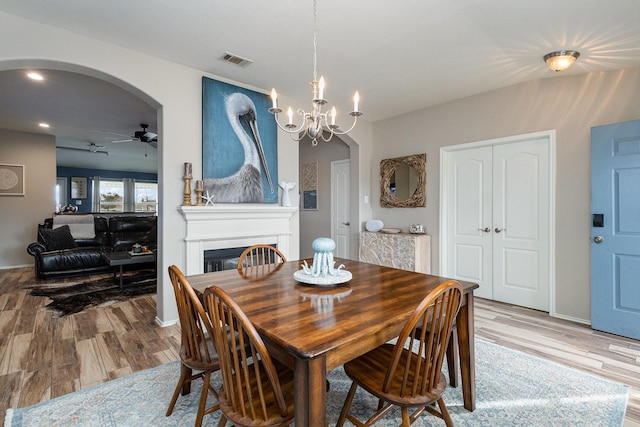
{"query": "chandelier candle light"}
pixel 315 121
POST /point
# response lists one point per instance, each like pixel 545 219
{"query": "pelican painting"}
pixel 236 163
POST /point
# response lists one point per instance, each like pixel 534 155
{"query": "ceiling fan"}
pixel 93 148
pixel 141 135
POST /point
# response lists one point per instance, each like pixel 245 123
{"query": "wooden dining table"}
pixel 314 329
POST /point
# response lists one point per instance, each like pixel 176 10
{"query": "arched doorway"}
pixel 90 109
pixel 317 222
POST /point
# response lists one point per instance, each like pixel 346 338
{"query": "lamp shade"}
pixel 561 60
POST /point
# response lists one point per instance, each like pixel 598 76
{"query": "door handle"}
pixel 346 223
pixel 598 239
pixel 486 229
pixel 497 230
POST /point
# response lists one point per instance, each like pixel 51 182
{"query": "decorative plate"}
pixel 391 230
pixel 329 280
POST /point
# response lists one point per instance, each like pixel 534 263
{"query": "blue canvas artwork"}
pixel 239 144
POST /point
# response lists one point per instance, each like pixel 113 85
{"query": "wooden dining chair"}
pixel 256 391
pixel 453 359
pixel 409 374
pixel 197 352
pixel 260 255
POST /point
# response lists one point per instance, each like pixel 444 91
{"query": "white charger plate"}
pixel 329 280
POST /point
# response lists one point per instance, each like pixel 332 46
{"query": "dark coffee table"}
pixel 120 259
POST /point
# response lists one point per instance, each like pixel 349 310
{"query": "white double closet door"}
pixel 496 219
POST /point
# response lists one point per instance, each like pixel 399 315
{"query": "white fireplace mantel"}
pixel 234 225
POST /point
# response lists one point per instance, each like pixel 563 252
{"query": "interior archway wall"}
pixel 47 64
pixel 177 92
pixel 314 224
pixel 25 64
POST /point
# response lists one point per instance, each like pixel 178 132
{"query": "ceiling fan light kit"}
pixel 93 147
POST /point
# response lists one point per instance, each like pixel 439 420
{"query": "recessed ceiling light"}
pixel 44 125
pixel 35 76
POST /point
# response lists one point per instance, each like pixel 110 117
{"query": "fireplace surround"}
pixel 234 225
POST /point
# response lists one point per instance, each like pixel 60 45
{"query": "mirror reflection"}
pixel 403 181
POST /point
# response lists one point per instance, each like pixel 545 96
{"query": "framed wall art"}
pixel 309 187
pixel 11 180
pixel 78 187
pixel 239 144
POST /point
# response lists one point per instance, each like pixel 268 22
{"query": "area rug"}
pixel 69 297
pixel 513 389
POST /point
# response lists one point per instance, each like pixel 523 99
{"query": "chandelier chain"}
pixel 316 122
pixel 315 40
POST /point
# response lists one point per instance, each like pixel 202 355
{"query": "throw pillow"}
pixel 58 238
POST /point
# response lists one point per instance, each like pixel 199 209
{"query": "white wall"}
pixel 571 105
pixel 177 92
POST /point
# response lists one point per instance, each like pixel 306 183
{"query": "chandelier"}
pixel 315 121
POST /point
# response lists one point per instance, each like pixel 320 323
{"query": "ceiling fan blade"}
pixel 106 135
pixel 86 150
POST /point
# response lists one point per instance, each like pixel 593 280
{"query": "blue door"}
pixel 615 228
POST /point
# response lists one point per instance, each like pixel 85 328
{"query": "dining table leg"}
pixel 466 346
pixel 309 385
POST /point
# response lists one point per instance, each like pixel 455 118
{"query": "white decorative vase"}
pixel 286 186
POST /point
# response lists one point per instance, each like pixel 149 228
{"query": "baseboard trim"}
pixel 165 324
pixel 8 267
pixel 572 319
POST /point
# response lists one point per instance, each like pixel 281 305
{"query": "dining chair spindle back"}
pixel 197 351
pixel 256 390
pixel 408 373
pixel 261 254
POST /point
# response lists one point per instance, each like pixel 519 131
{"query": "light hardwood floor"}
pixel 42 357
pixel 568 343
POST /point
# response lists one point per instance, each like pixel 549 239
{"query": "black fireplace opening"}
pixel 224 259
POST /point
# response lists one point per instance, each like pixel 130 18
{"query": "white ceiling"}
pixel 81 110
pixel 400 55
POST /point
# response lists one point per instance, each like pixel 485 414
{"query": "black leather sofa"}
pixel 58 254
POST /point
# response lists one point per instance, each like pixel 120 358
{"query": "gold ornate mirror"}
pixel 403 182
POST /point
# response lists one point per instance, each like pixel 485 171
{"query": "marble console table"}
pixel 405 251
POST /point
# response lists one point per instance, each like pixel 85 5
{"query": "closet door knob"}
pixel 497 230
pixel 486 229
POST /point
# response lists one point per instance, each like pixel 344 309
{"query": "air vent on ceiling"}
pixel 237 60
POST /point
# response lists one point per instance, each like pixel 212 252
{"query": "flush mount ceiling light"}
pixel 561 60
